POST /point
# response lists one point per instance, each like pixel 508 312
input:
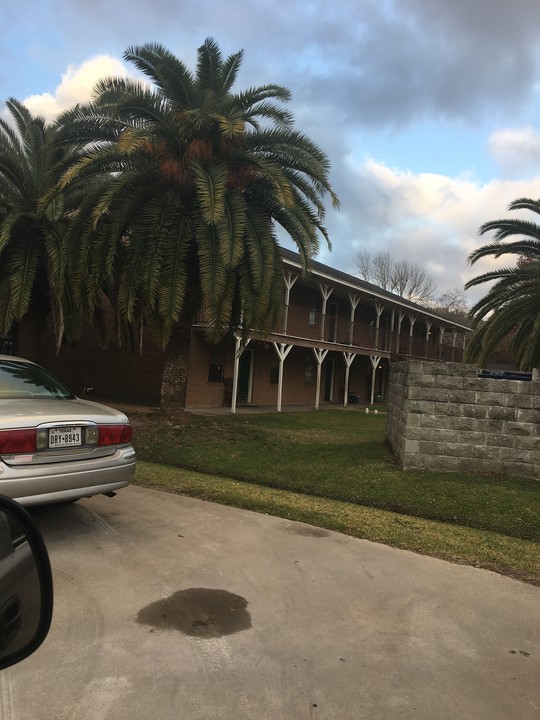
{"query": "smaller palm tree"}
pixel 33 222
pixel 511 307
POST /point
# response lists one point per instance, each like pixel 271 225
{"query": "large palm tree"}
pixel 199 178
pixel 511 307
pixel 33 224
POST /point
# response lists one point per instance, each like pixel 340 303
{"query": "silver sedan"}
pixel 55 447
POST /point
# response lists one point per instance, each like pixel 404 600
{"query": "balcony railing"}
pixel 311 325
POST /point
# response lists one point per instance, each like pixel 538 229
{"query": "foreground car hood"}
pixel 32 412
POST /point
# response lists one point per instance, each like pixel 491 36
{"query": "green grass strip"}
pixel 338 456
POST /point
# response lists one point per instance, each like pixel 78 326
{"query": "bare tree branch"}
pixel 453 305
pixel 405 278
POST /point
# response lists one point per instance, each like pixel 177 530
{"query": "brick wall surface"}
pixel 442 416
pixel 113 373
pixel 117 374
pixel 296 391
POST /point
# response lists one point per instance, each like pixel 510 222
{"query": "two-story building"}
pixel 337 338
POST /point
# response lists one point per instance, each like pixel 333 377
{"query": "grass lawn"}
pixel 332 468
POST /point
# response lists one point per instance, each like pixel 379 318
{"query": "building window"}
pixel 274 371
pixel 309 376
pixel 215 372
pixel 8 345
pixel 312 317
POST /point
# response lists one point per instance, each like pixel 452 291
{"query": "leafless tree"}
pixel 403 277
pixel 453 305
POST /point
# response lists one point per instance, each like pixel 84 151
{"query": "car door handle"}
pixel 10 621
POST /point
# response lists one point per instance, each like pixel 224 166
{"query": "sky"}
pixel 428 110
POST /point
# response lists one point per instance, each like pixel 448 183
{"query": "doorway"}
pixel 245 376
pixel 329 371
pixel 332 321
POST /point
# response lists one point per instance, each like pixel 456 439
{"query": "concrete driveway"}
pixel 169 608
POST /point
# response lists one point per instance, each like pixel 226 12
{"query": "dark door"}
pixel 245 376
pixel 329 367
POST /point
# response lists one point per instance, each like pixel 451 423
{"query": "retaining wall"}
pixel 442 416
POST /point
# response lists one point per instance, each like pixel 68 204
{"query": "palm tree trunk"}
pixel 175 369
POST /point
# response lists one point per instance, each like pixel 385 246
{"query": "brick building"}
pixel 337 338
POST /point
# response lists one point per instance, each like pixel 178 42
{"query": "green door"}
pixel 245 376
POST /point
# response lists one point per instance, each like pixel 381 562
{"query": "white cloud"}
pixel 76 86
pixel 516 150
pixel 431 219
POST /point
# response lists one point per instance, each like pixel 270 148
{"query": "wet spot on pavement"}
pixel 199 612
pixel 308 531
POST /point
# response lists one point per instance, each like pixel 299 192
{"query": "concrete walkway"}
pixel 247 409
pixel 170 608
pixel 131 408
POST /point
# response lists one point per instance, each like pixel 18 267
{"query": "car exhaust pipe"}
pixel 110 494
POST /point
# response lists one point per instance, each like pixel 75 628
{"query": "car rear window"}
pixel 22 380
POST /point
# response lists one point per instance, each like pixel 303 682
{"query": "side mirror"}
pixel 26 592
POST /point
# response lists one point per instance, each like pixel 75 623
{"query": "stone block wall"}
pixel 442 416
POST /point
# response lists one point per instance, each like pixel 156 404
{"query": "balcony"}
pixel 313 326
pixel 310 328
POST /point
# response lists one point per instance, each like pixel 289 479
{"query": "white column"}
pixel 442 328
pixel 326 291
pixel 428 333
pixel 239 349
pixel 354 300
pixel 390 339
pixel 282 351
pixel 319 356
pixel 454 340
pixel 237 352
pixel 348 357
pixel 375 359
pixel 379 307
pixel 290 279
pixel 400 320
pixel 412 319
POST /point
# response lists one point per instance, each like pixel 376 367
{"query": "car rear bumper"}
pixel 62 482
pixel 71 495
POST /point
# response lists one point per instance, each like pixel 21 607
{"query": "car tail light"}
pixel 114 434
pixel 17 441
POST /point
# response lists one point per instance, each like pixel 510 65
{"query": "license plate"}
pixel 60 437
